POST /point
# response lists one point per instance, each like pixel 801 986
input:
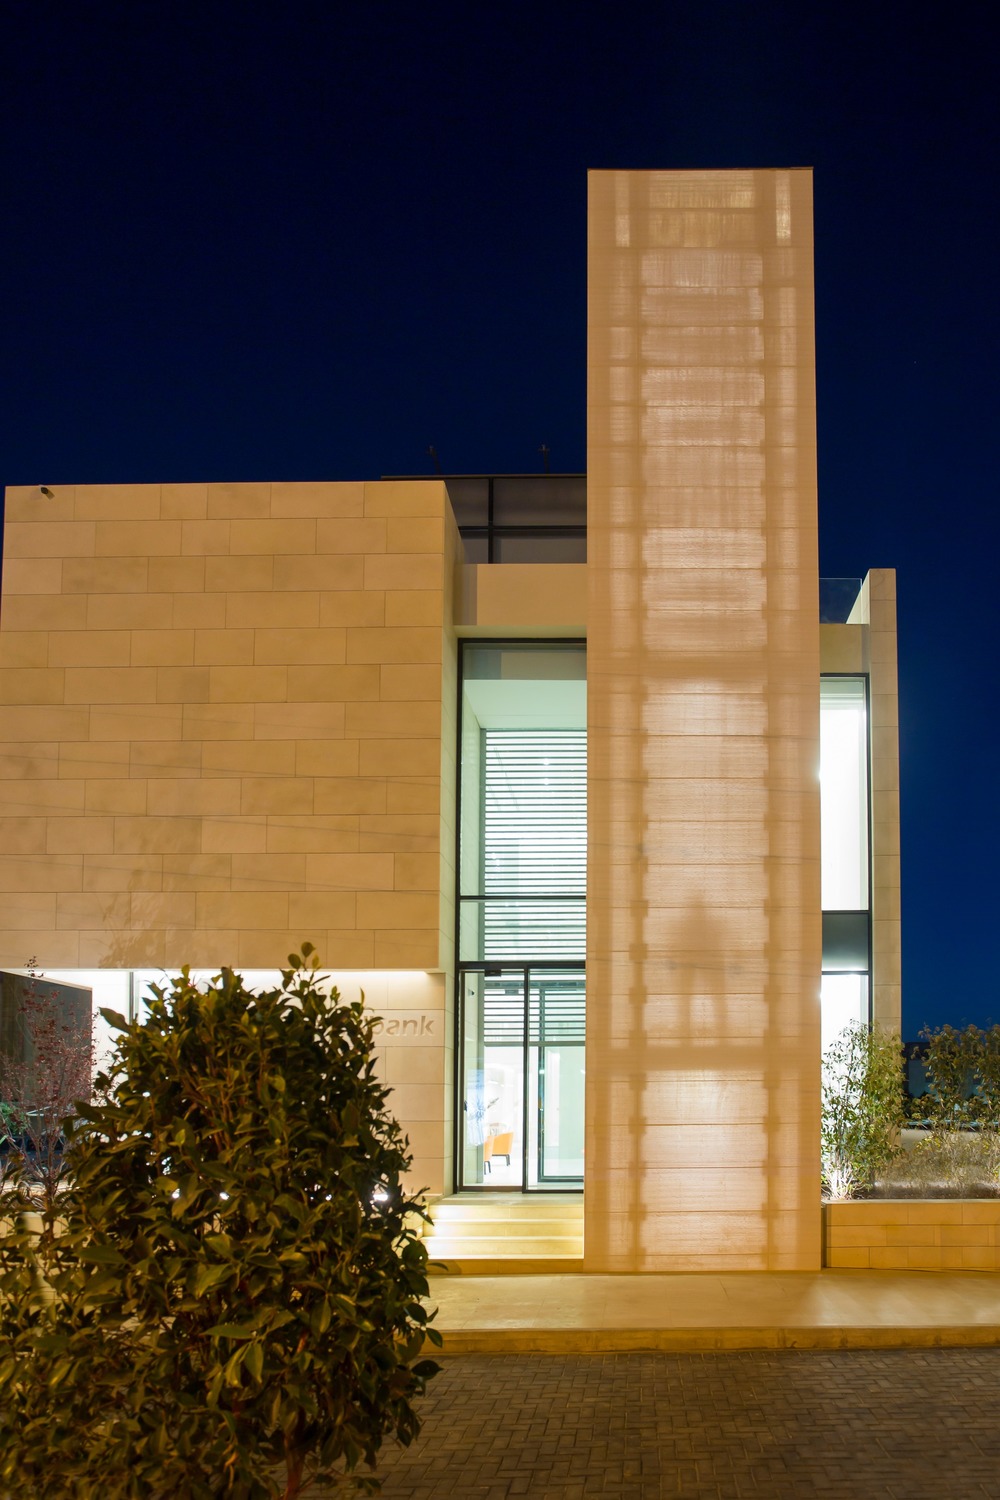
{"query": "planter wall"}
pixel 907 1234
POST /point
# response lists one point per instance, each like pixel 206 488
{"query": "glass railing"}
pixel 837 598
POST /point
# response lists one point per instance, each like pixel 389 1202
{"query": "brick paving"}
pixel 902 1424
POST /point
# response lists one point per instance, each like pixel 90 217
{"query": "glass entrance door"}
pixel 522 1078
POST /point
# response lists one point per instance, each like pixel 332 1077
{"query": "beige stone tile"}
pixel 410 683
pixel 418 535
pixel 108 795
pixel 31 576
pixel 324 684
pixel 979 1258
pixel 214 796
pixel 205 538
pixel 133 539
pixel 170 758
pixel 239 501
pixel 223 648
pixel 250 757
pixel 22 835
pixel 197 872
pixel 401 910
pixel 313 834
pixel 402 833
pixel 218 721
pixel 352 872
pixel 348 794
pixel 62 949
pixel 176 575
pixel 981 1212
pixel 25 502
pixel 293 721
pixel 167 909
pixel 28 910
pixel 110 685
pixel 965 1234
pixel 123 949
pixel 201 949
pixel 278 872
pixel 414 1064
pixel 87 835
pixel 342 947
pixel 297 647
pixel 51 796
pixel 406 949
pixel 32 685
pixel 242 835
pixel 324 574
pixel 159 648
pixel 33 539
pixel 326 758
pixel 345 537
pixel 42 612
pixel 413 795
pixel 86 909
pixel 275 794
pixel 150 721
pixel 122 872
pixel 312 499
pixel 414 570
pixel 140 611
pixel 405 607
pixel 199 611
pixel 158 835
pixel 183 684
pixel 116 502
pixel 248 684
pixel 417 872
pixel 21 648
pixel 405 497
pixel 183 502
pixel 239 575
pixel 909 1234
pixel 274 611
pixel 105 575
pixel 272 538
pixel 243 910
pixel 387 720
pixel 410 647
pixel 267 949
pixel 50 872
pixel 318 911
pixel 89 648
pixel 399 757
pixel 354 607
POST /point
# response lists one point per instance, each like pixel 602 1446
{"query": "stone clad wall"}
pixel 227 724
pixel 897 1234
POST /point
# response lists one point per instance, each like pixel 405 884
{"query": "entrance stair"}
pixel 492 1233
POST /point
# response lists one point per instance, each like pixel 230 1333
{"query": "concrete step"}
pixel 464 1247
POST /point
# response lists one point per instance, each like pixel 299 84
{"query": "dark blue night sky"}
pixel 308 240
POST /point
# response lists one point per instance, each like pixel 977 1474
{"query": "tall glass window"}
pixel 523 802
pixel 522 889
pixel 845 853
pixel 843 744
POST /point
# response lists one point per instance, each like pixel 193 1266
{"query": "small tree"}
pixel 862 1108
pixel 238 1286
pixel 44 1075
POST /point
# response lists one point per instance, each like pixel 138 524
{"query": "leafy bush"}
pixel 963 1076
pixel 862 1108
pixel 233 1301
pixel 945 1164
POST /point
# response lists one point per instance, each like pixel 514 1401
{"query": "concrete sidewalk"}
pixel 569 1314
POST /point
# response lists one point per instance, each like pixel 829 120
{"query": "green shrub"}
pixel 232 1305
pixel 862 1108
pixel 963 1078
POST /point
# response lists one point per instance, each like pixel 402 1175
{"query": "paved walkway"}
pixel 773 1425
pixel 570 1314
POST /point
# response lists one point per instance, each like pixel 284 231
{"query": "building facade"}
pixel 533 760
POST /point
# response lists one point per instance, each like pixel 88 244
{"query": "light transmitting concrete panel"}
pixel 703 895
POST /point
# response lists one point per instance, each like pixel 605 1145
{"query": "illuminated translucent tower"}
pixel 703 895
